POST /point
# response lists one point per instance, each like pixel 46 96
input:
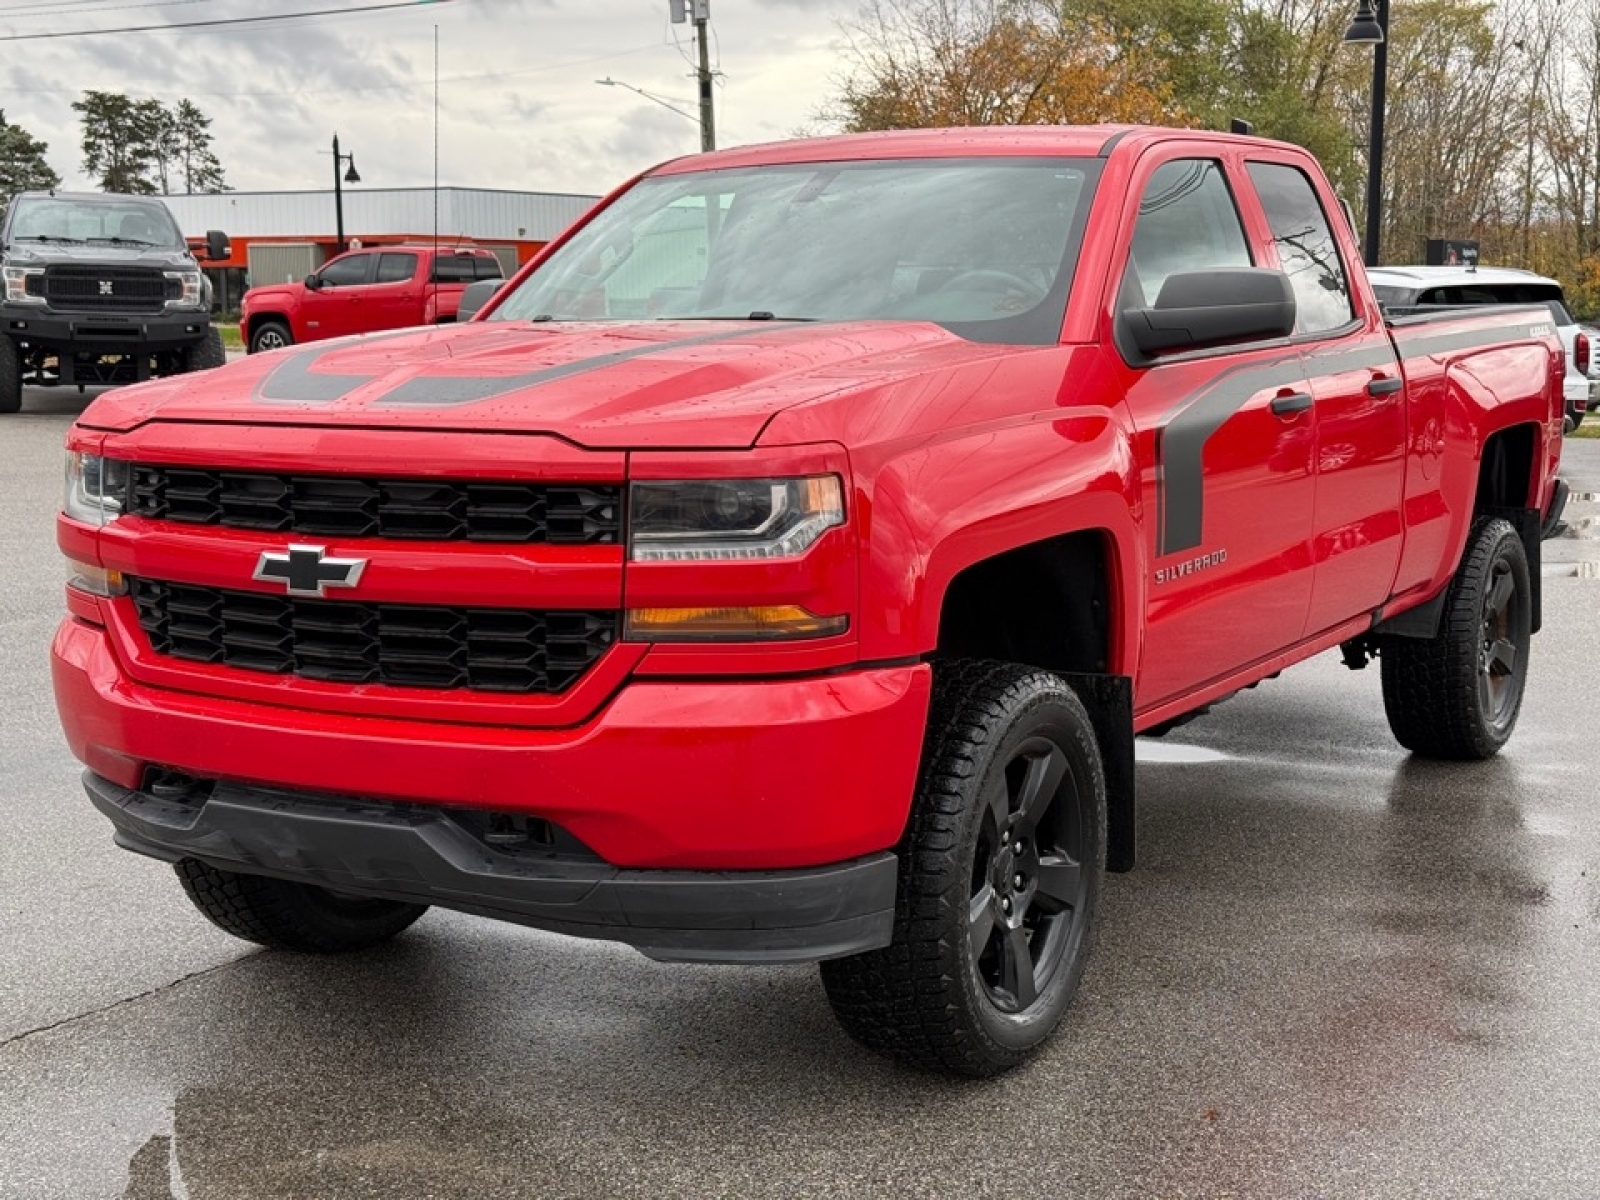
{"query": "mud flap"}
pixel 1109 700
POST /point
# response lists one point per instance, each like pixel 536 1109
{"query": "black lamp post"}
pixel 1371 27
pixel 350 176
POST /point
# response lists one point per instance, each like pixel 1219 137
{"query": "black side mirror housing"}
pixel 217 246
pixel 312 283
pixel 1197 309
pixel 475 296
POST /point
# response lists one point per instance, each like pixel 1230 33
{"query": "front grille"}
pixel 352 507
pixel 404 645
pixel 108 289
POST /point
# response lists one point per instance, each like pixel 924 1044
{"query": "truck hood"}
pixel 601 385
pixel 97 254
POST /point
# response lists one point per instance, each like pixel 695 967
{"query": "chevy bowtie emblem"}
pixel 307 571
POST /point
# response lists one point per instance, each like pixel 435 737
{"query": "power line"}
pixel 218 22
pixel 54 12
pixel 411 85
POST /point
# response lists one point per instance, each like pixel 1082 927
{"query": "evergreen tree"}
pixel 119 140
pixel 201 172
pixel 22 164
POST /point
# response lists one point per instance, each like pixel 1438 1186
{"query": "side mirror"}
pixel 1211 308
pixel 217 245
pixel 313 282
pixel 476 296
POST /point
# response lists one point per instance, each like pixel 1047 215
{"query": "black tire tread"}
pixel 894 1000
pixel 1430 685
pixel 282 914
pixel 10 376
pixel 209 352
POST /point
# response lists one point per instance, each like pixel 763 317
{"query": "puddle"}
pixel 1147 750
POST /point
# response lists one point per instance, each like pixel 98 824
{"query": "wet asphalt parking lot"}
pixel 1336 972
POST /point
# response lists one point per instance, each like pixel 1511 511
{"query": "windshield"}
pixel 123 221
pixel 984 247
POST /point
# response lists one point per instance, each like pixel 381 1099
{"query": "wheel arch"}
pixel 248 325
pixel 1052 604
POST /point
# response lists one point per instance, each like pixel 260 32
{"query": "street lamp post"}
pixel 707 136
pixel 638 91
pixel 1371 27
pixel 350 176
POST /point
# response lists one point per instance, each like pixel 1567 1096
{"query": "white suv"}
pixel 1401 289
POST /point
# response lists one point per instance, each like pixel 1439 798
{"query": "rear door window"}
pixel 1307 251
pixel 396 268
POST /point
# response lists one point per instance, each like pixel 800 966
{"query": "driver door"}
pixel 331 310
pixel 1225 439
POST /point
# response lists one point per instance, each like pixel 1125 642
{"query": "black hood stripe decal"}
pixel 294 382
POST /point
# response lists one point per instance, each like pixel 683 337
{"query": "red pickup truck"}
pixel 781 569
pixel 363 291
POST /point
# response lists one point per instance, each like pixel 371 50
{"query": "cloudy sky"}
pixel 518 105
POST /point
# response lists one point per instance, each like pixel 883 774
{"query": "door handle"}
pixel 1383 386
pixel 1294 402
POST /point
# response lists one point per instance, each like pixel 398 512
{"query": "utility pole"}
pixel 700 10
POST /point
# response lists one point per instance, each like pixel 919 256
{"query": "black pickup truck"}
pixel 99 289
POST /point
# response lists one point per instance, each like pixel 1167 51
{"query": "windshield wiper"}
pixel 122 241
pixel 759 314
pixel 48 237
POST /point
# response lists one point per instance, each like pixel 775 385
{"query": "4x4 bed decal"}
pixel 294 382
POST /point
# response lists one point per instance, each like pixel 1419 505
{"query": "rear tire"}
pixel 291 916
pixel 1457 695
pixel 269 335
pixel 1000 876
pixel 10 376
pixel 205 355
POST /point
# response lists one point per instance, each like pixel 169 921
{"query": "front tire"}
pixel 1000 877
pixel 291 916
pixel 269 335
pixel 10 376
pixel 1457 695
pixel 209 353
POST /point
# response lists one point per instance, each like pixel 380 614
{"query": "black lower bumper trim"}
pixel 415 853
pixel 104 333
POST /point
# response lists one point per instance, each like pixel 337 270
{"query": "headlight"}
pixel 192 289
pixel 729 520
pixel 17 285
pixel 97 488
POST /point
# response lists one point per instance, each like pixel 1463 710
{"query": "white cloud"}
pixel 518 105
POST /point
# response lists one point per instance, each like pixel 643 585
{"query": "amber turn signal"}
pixel 765 623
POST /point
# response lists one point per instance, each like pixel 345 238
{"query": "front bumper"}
pixel 422 854
pixel 103 333
pixel 704 775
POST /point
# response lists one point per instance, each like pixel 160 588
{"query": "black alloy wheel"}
pixel 1028 884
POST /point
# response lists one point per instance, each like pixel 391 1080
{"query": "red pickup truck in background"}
pixel 363 291
pixel 781 568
